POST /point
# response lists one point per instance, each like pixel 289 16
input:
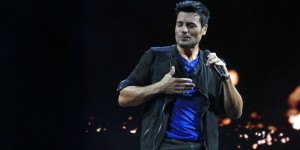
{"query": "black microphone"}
pixel 215 67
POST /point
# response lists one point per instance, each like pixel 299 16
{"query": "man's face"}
pixel 188 30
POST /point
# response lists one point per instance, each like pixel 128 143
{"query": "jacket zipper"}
pixel 148 128
pixel 171 60
pixel 162 111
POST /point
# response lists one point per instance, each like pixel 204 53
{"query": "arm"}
pixel 233 102
pixel 136 95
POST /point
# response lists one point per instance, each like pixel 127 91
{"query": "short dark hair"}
pixel 195 7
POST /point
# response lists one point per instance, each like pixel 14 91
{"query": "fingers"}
pixel 183 87
pixel 169 79
pixel 183 80
pixel 181 92
pixel 213 59
pixel 172 71
pixel 172 85
pixel 186 91
pixel 180 80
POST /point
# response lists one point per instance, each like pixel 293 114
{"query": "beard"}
pixel 186 44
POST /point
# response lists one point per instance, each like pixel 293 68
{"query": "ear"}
pixel 204 29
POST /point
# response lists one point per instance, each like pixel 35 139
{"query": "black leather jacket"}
pixel 152 67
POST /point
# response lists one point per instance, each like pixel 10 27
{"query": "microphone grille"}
pixel 206 52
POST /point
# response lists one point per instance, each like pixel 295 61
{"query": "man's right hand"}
pixel 170 85
pixel 136 95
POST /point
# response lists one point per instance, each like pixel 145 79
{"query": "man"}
pixel 179 87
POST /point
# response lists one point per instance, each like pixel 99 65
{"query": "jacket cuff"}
pixel 122 85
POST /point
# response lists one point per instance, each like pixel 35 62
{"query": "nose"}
pixel 184 29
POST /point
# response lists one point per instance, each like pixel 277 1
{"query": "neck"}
pixel 189 54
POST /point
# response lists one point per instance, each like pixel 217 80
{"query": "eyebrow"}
pixel 186 22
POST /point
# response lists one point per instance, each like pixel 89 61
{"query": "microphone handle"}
pixel 219 71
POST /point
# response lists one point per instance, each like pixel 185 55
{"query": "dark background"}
pixel 61 62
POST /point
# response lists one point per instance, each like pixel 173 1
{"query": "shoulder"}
pixel 159 54
pixel 163 49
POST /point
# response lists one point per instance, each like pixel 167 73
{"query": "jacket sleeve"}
pixel 140 76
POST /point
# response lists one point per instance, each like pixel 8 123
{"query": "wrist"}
pixel 158 88
pixel 225 77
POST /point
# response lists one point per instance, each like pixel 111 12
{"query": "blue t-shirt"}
pixel 185 121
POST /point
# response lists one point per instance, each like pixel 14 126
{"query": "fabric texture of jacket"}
pixel 152 67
